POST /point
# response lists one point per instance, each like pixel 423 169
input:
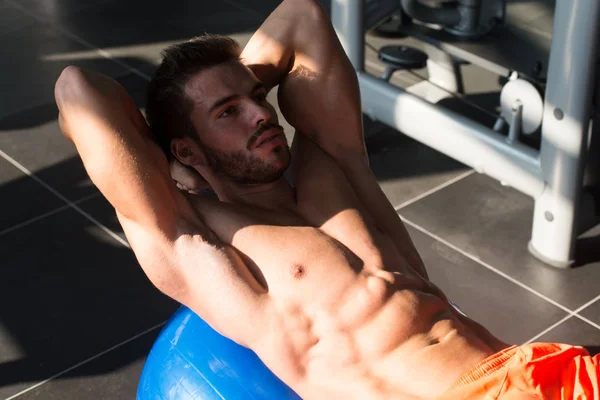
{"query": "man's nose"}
pixel 259 114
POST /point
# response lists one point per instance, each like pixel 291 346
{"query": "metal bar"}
pixel 452 134
pixel 567 112
pixel 347 17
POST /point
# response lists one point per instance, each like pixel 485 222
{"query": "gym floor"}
pixel 78 316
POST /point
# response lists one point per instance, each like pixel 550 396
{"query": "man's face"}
pixel 238 128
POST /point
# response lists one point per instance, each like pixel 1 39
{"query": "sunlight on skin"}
pixel 268 45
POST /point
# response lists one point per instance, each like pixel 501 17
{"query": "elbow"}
pixel 66 90
pixel 306 11
pixel 70 78
pixel 314 13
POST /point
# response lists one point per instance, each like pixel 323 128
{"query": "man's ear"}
pixel 188 152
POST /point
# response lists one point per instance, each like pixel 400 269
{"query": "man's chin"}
pixel 283 157
pixel 252 170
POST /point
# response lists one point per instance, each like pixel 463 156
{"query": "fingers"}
pixel 186 176
pixel 184 188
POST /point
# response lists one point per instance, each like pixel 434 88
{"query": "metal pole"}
pixel 567 111
pixel 347 18
pixel 452 134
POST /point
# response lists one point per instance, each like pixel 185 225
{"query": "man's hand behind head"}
pixel 187 178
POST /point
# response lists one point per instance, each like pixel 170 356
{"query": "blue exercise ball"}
pixel 190 360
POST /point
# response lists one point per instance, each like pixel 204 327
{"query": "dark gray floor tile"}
pixel 38 53
pixel 146 57
pixel 68 292
pixel 135 34
pixel 12 18
pixel 493 223
pixel 576 332
pixel 54 11
pixel 103 212
pixel 404 167
pixel 592 312
pixel 264 7
pixel 32 137
pixel 22 197
pixel 510 312
pixel 114 375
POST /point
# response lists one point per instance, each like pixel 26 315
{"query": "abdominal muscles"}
pixel 339 349
pixel 341 327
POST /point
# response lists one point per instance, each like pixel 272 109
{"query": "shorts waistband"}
pixel 489 365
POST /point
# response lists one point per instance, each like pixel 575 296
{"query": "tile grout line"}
pixel 435 189
pixel 586 305
pixel 100 52
pixel 584 319
pixel 135 71
pixel 583 307
pixel 564 319
pixel 570 313
pixel 548 329
pixel 63 198
pixel 47 214
pixel 116 346
pixel 131 69
pixel 574 313
pixel 486 265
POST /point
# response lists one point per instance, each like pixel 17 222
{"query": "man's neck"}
pixel 274 195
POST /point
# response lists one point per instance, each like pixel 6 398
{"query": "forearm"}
pixel 273 48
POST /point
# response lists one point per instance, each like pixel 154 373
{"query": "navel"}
pixel 298 271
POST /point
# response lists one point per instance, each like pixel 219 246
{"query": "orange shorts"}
pixel 533 371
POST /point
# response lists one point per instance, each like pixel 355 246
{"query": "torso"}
pixel 349 318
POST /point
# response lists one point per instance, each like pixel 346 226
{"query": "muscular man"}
pixel 319 278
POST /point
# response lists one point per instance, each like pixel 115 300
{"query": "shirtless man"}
pixel 320 278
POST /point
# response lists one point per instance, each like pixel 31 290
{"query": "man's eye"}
pixel 226 112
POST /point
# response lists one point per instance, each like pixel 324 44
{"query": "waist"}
pixel 390 341
pixel 487 366
pixel 421 365
pixel 428 363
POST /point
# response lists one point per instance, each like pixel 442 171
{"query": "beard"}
pixel 244 168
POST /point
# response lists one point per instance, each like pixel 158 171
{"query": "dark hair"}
pixel 167 106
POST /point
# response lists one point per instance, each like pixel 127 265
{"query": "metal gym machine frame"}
pixel 553 176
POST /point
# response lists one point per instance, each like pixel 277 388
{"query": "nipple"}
pixel 298 271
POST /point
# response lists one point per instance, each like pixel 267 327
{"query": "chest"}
pixel 308 248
